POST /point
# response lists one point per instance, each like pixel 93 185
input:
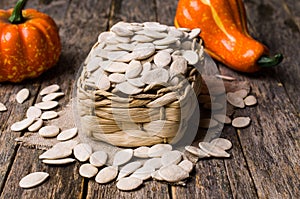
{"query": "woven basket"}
pixel 158 114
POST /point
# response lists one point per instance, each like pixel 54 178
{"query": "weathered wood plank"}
pixel 271 143
pixel 64 182
pixel 277 28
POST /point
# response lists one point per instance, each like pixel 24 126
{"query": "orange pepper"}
pixel 225 34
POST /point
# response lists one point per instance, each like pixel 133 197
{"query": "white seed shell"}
pixel 21 125
pixel 221 143
pixel 46 105
pixel 129 169
pixel 213 150
pixel 67 134
pixel 22 95
pixel 33 112
pixel 159 149
pixel 98 158
pixel 106 174
pixel 173 173
pixel 171 157
pixel 52 96
pixel 48 115
pixel 241 122
pixel 36 125
pixel 59 161
pixel 129 183
pixel 87 170
pixel 33 179
pixel 49 89
pixel 49 131
pixel 82 152
pixel 122 157
pixel 2 107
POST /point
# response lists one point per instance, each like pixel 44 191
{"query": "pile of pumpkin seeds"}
pixel 130 167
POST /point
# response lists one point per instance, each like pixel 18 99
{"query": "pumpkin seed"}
pixel 143 173
pixel 172 157
pixel 106 174
pixel 82 152
pixel 33 179
pixel 141 152
pixel 221 143
pixel 2 107
pixel 98 158
pixel 59 150
pixel 143 50
pixel 93 64
pixel 33 112
pixel 129 169
pixel 49 131
pixel 191 56
pixel 165 41
pixel 129 183
pixel 224 77
pixel 154 163
pixel 235 100
pixel 59 161
pixel 50 89
pixel 122 157
pixel 241 122
pixel 142 38
pixel 178 66
pixel 156 76
pixel 241 93
pixel 186 165
pixel 137 82
pixel 134 69
pixel 213 150
pixel 52 96
pixel 194 33
pixel 155 175
pixel 46 105
pixel 173 173
pixel 67 134
pixel 48 115
pixel 22 95
pixel 250 100
pixel 87 170
pixel 162 59
pixel 103 82
pixel 125 46
pixel 196 151
pixel 36 125
pixel 117 78
pixel 127 88
pixel 121 31
pixel 158 150
pixel 114 67
pixel 21 125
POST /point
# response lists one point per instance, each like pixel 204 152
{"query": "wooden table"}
pixel 265 158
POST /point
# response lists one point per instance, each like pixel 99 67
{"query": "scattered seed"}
pixel 122 157
pixel 154 163
pixel 87 170
pixel 241 93
pixel 98 158
pixel 33 112
pixel 48 115
pixel 2 107
pixel 59 150
pixel 49 89
pixel 21 125
pixel 82 152
pixel 224 77
pixel 221 143
pixel 129 169
pixel 197 152
pixel 143 173
pixel 67 134
pixel 173 173
pixel 186 165
pixel 241 122
pixel 52 96
pixel 129 183
pixel 49 131
pixel 33 179
pixel 159 149
pixel 22 95
pixel 59 161
pixel 46 105
pixel 106 174
pixel 141 152
pixel 250 100
pixel 171 157
pixel 36 125
pixel 213 150
pixel 235 100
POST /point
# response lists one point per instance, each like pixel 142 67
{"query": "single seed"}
pixel 129 183
pixel 33 179
pixel 48 115
pixel 106 174
pixel 2 107
pixel 49 89
pixel 122 157
pixel 98 158
pixel 49 131
pixel 250 100
pixel 22 95
pixel 36 125
pixel 21 125
pixel 82 152
pixel 67 134
pixel 87 170
pixel 33 112
pixel 213 150
pixel 221 143
pixel 241 122
pixel 59 161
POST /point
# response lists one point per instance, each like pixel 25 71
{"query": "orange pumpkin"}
pixel 29 43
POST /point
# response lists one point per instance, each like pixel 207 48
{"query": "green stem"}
pixel 17 17
pixel 265 61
